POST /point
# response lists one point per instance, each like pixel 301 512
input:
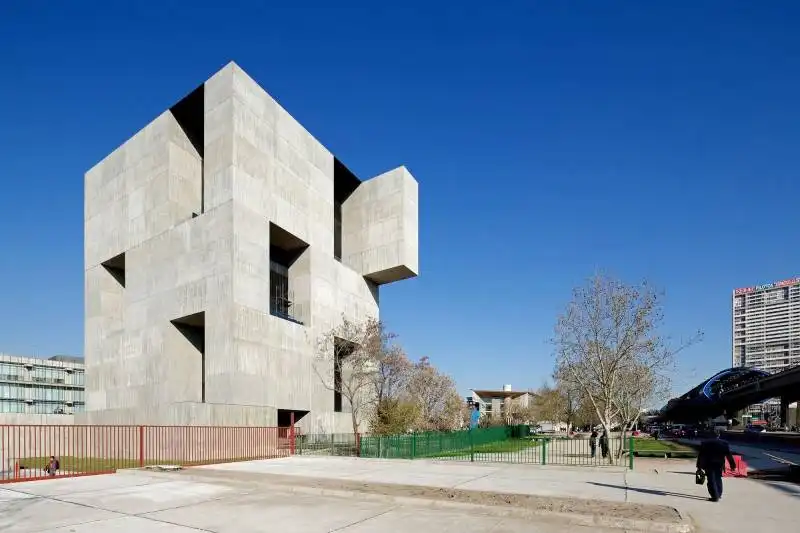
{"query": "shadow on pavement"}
pixel 790 489
pixel 649 491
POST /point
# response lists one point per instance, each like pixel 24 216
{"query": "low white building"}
pixel 35 390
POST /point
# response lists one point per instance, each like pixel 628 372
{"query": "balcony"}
pixel 281 307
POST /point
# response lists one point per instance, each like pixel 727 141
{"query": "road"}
pixel 759 457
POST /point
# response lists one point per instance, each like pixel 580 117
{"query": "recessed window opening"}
pixel 284 250
pixel 344 184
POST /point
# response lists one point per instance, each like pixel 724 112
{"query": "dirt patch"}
pixel 531 503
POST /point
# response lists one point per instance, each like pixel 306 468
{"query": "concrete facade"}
pixel 184 226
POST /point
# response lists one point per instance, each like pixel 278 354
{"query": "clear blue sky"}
pixel 656 140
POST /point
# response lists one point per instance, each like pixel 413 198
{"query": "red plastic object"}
pixel 739 471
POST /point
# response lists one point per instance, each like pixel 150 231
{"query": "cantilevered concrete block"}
pixel 380 228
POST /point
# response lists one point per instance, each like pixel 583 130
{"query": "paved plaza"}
pixel 323 494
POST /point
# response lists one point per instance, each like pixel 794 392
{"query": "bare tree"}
pixel 607 336
pixel 348 361
pixel 395 412
pixel 548 404
pixel 441 407
pixel 638 387
pixel 518 413
pixel 393 371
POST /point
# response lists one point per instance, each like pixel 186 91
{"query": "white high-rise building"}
pixel 766 326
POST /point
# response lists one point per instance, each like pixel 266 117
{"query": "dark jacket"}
pixel 713 453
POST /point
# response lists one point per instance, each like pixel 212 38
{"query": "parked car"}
pixel 754 428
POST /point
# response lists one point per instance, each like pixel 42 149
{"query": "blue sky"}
pixel 551 140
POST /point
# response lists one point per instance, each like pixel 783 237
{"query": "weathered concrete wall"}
pixel 259 169
pixel 13 419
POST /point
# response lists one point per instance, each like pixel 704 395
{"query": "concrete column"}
pixel 785 410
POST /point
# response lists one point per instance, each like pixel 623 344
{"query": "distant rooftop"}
pixel 27 359
pixel 499 393
pixel 66 358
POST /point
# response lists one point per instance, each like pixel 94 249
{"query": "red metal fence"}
pixel 26 451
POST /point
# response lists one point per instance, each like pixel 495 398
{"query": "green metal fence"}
pixel 340 444
pixel 511 444
pixel 437 444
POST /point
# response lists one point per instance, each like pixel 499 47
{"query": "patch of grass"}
pixel 504 446
pixel 90 465
pixel 79 464
pixel 659 448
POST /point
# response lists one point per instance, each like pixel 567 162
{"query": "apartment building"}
pixel 766 332
pixel 766 326
pixel 30 385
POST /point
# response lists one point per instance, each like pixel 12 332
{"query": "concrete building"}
pixel 221 241
pixel 500 403
pixel 766 326
pixel 766 331
pixel 35 386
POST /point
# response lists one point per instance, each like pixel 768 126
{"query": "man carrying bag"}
pixel 710 464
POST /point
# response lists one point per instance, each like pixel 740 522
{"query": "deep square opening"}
pixel 344 184
pixel 193 329
pixel 284 250
pixel 285 417
pixel 116 267
pixel 341 349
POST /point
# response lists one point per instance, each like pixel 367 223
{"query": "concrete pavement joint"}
pixel 367 519
pixel 457 485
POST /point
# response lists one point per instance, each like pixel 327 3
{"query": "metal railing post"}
pixel 413 445
pixel 544 451
pixel 141 446
pixel 471 447
pixel 291 434
pixel 630 452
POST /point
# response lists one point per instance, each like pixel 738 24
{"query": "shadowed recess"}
pixel 116 267
pixel 193 329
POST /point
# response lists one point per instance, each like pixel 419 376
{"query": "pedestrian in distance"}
pixel 604 444
pixel 52 466
pixel 593 443
pixel 711 460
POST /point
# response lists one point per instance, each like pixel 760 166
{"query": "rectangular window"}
pixel 286 266
pixel 337 231
pixel 279 287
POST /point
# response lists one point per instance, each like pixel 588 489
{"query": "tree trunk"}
pixel 355 426
pixel 607 436
pixel 622 437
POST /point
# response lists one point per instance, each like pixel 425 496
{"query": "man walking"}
pixel 604 444
pixel 593 443
pixel 711 460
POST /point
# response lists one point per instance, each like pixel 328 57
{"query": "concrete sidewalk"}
pixel 240 498
pixel 136 502
pixel 748 505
